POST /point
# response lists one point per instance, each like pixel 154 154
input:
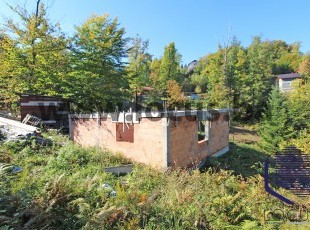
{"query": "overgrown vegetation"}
pixel 287 119
pixel 64 187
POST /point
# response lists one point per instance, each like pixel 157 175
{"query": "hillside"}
pixel 64 186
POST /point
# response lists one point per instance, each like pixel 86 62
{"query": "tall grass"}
pixel 61 187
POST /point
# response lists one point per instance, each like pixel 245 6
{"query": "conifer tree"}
pixel 169 67
pixel 275 127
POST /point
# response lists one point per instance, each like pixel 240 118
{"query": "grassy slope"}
pixel 61 188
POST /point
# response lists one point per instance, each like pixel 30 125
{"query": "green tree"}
pixel 198 78
pixel 285 57
pixel 199 81
pixel 235 73
pixel 139 65
pixel 169 66
pixel 97 81
pixel 154 74
pixel 304 67
pixel 175 95
pixel 33 55
pixel 216 84
pixel 259 75
pixel 240 89
pixel 299 105
pixel 10 81
pixel 276 126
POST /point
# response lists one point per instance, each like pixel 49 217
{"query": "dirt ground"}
pixel 243 134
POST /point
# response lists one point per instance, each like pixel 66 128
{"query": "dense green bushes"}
pixel 287 119
pixel 62 187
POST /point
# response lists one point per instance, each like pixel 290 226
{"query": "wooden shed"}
pixel 52 110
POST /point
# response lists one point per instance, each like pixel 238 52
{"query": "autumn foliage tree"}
pixel 304 67
pixel 175 96
pixel 33 55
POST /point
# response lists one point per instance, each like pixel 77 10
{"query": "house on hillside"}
pixel 159 139
pixel 285 81
pixel 191 66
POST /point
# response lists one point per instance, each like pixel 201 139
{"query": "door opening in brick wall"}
pixel 124 132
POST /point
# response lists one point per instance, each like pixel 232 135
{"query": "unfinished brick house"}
pixel 159 139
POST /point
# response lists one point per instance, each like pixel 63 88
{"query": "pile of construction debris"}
pixel 13 130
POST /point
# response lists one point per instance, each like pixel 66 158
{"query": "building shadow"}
pixel 242 159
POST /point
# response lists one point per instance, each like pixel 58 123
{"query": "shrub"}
pixel 62 188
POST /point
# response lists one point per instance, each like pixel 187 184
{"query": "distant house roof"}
pixel 192 65
pixel 289 75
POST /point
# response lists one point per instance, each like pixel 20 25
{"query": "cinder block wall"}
pixel 147 146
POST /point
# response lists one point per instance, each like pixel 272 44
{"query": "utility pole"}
pixel 34 54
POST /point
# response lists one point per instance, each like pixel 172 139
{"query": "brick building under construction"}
pixel 159 139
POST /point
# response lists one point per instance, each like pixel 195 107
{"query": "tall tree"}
pixel 139 64
pixel 99 49
pixel 239 73
pixel 169 66
pixel 33 55
pixel 276 126
pixel 175 95
pixel 259 75
pixel 235 73
pixel 216 83
pixel 154 74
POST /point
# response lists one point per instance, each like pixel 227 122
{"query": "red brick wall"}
pixel 146 142
pixel 147 145
pixel 185 149
pixel 219 134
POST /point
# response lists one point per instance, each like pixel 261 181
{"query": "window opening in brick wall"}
pixel 201 130
pixel 124 132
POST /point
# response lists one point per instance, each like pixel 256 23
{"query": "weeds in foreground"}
pixel 62 187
